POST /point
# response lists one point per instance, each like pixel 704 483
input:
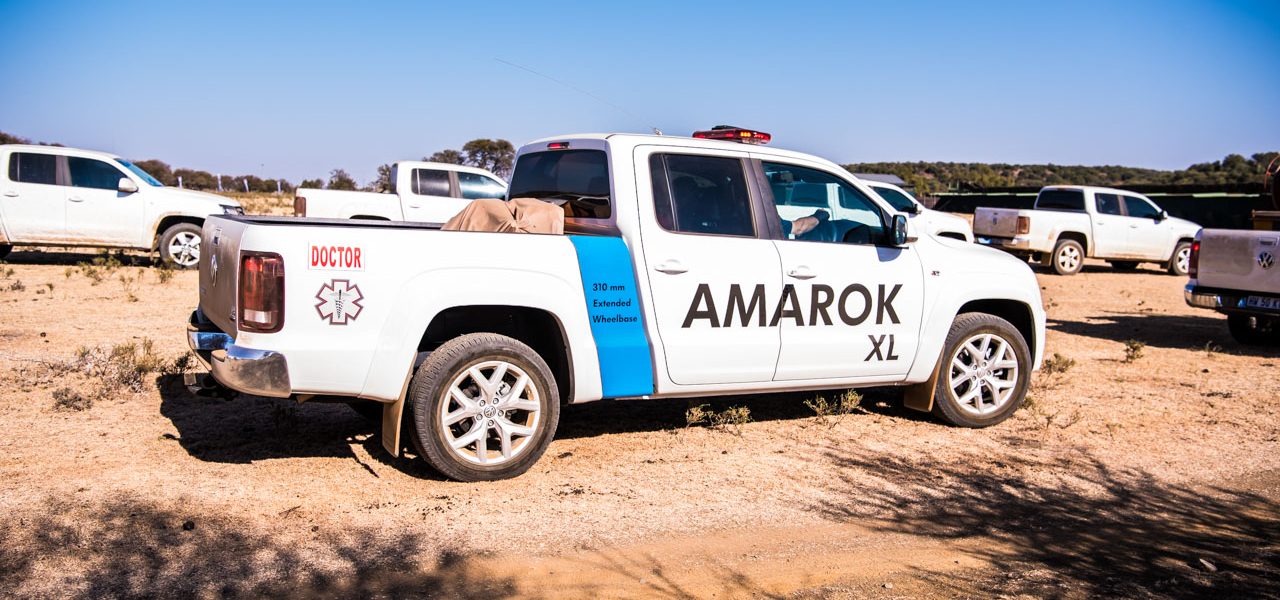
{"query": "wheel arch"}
pixel 1077 236
pixel 1016 313
pixel 168 221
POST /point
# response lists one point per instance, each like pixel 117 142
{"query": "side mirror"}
pixel 915 209
pixel 127 185
pixel 1164 214
pixel 900 235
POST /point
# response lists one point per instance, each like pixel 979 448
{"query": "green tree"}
pixel 494 155
pixel 340 180
pixel 158 169
pixel 452 157
pixel 383 182
pixel 314 184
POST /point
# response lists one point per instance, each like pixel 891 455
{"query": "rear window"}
pixel 578 179
pixel 1061 200
pixel 29 167
pixel 430 182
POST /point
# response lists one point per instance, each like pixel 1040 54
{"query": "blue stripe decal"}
pixel 609 284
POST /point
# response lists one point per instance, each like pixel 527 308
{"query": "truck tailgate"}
pixel 995 222
pixel 218 271
pixel 1240 260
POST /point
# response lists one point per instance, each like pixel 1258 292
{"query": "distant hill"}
pixel 930 178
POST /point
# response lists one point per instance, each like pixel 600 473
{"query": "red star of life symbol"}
pixel 339 302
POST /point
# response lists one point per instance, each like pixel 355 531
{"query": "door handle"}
pixel 11 193
pixel 415 206
pixel 1133 227
pixel 75 198
pixel 801 272
pixel 672 267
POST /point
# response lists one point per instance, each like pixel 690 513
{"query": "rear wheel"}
pixel 986 369
pixel 1252 330
pixel 1180 262
pixel 180 245
pixel 1124 265
pixel 1067 257
pixel 485 407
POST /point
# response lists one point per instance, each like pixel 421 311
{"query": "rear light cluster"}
pixel 1024 225
pixel 734 134
pixel 1193 265
pixel 261 292
pixel 299 206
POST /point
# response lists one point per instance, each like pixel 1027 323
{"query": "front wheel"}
pixel 1180 262
pixel 180 245
pixel 485 407
pixel 1067 257
pixel 986 368
pixel 1251 330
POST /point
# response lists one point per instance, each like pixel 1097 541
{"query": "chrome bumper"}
pixel 1200 299
pixel 258 372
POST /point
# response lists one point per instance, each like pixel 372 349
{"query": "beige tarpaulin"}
pixel 520 215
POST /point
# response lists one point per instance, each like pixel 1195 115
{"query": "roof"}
pixel 62 150
pixel 637 139
pixel 881 177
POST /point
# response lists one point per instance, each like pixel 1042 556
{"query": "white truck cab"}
pixel 686 269
pixel 426 192
pixel 1072 222
pixel 58 196
pixel 934 222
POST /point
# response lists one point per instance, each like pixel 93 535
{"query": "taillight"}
pixel 1193 265
pixel 1024 225
pixel 261 292
pixel 299 206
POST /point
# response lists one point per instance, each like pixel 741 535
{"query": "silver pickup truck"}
pixel 1238 273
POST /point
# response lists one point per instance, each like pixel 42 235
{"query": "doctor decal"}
pixel 339 302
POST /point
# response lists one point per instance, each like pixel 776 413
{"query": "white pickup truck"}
pixel 676 277
pixel 426 192
pixel 796 200
pixel 1070 223
pixel 58 196
pixel 1238 273
pixel 931 221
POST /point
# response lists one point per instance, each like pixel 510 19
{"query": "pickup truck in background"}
pixel 677 276
pixel 59 196
pixel 931 221
pixel 1237 273
pixel 1070 223
pixel 426 192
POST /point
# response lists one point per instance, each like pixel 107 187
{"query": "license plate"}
pixel 1262 302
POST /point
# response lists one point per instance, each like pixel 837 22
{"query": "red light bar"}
pixel 557 145
pixel 729 133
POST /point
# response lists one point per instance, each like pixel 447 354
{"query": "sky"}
pixel 297 89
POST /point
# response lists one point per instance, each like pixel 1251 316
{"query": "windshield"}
pixel 576 178
pixel 899 200
pixel 140 173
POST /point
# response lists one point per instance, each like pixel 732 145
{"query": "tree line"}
pixel 931 178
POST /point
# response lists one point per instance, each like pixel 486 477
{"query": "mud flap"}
pixel 392 414
pixel 919 396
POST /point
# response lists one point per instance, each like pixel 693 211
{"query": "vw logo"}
pixel 1266 260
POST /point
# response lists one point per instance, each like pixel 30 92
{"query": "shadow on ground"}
pixel 1162 331
pixel 75 256
pixel 1070 526
pixel 129 549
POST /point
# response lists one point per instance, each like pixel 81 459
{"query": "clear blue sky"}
pixel 295 90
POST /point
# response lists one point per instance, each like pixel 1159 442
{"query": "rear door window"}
pixel 701 194
pixel 575 179
pixel 1108 204
pixel 474 186
pixel 430 182
pixel 1061 200
pixel 91 173
pixel 30 167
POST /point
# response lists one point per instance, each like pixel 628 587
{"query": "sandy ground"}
pixel 1151 477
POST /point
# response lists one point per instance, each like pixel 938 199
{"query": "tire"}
pixel 1180 262
pixel 972 333
pixel 1250 330
pixel 1067 257
pixel 447 378
pixel 5 249
pixel 180 245
pixel 1124 265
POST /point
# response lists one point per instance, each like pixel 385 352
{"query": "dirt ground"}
pixel 1140 470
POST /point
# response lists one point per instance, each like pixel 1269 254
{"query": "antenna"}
pixel 624 111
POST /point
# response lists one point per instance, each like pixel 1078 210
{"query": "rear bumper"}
pixel 258 372
pixel 1015 245
pixel 1224 300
